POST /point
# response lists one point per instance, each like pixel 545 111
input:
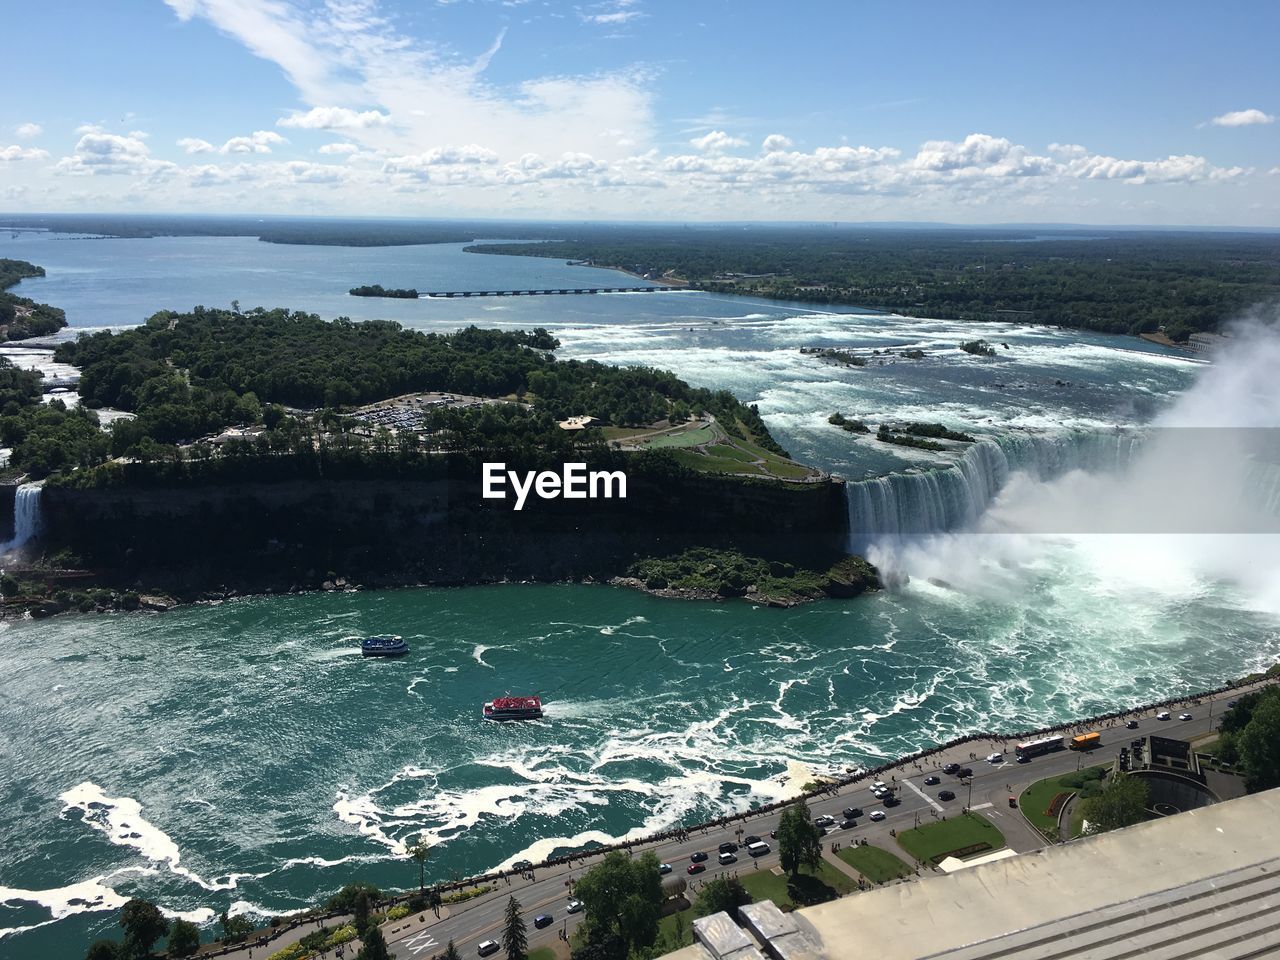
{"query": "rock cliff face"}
pixel 259 536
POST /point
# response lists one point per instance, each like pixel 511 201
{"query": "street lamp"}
pixel 969 803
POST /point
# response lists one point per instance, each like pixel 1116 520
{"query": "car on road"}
pixel 749 840
pixel 1013 803
pixel 698 856
pixel 542 920
pixel 1022 759
pixel 951 768
pixel 573 906
pixel 1162 715
pixel 932 780
pixel 728 847
pixel 995 757
pixel 1131 725
pixel 877 815
pixel 879 785
pixel 848 823
pixel 696 868
pixel 891 801
pixel 946 795
pixel 824 821
pixel 487 948
pixel 664 868
pixel 727 857
pixel 758 849
pixel 965 772
pixel 1184 716
pixel 850 812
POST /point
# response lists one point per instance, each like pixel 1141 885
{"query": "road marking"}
pixel 925 797
pixel 419 942
pixel 981 806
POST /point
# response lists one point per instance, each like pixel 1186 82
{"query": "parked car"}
pixel 946 795
pixel 951 768
pixel 728 847
pixel 1184 716
pixel 852 812
pixel 573 906
pixel 877 815
pixel 487 948
pixel 542 920
pixel 727 857
pixel 698 857
pixel 1131 725
pixel 848 823
pixel 932 780
pixel 664 868
pixel 696 868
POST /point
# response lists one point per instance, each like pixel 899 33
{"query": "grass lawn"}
pixel 874 863
pixel 1035 800
pixel 945 836
pixel 667 928
pixel 825 884
pixel 684 438
pixel 542 953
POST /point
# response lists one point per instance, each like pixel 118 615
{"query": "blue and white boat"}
pixel 383 645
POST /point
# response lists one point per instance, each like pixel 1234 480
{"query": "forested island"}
pixel 1115 281
pixel 378 290
pixel 255 454
pixel 21 317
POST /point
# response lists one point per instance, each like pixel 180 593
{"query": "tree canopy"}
pixel 799 843
pixel 1122 802
pixel 721 895
pixel 622 901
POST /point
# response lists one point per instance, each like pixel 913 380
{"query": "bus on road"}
pixel 1035 748
pixel 1086 741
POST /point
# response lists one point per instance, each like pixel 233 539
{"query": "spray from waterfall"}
pixel 27 519
pixel 1192 503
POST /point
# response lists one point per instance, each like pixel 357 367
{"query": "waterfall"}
pixel 950 497
pixel 26 516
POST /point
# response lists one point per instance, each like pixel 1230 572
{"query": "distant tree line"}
pixel 1112 281
pixel 21 317
pixel 378 290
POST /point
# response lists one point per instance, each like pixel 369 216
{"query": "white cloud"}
pixel 717 141
pixel 196 145
pixel 88 128
pixel 109 153
pixel 776 143
pixel 10 154
pixel 339 148
pixel 1178 169
pixel 260 141
pixel 612 13
pixel 335 118
pixel 1242 118
pixel 28 131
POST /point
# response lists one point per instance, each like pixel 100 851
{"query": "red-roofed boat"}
pixel 513 708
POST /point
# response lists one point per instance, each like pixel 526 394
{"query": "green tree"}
pixel 143 924
pixel 721 895
pixel 1259 747
pixel 375 946
pixel 361 910
pixel 799 843
pixel 420 851
pixel 103 950
pixel 235 929
pixel 622 902
pixel 184 938
pixel 451 952
pixel 515 938
pixel 1121 803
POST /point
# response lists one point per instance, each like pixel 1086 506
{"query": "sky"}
pixel 1160 113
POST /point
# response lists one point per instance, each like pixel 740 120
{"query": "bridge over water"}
pixel 549 292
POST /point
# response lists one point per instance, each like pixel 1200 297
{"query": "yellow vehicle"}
pixel 1086 741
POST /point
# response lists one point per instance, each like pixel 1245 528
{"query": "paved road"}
pixel 987 793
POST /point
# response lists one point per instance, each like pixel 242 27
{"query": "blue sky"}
pixel 648 109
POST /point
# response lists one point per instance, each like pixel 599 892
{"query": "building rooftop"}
pixel 1204 884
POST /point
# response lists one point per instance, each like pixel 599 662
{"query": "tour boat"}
pixel 513 708
pixel 385 645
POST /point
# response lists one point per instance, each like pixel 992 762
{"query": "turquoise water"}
pixel 244 756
